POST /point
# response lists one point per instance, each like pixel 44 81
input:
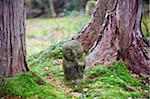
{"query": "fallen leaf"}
pixel 85 90
pixel 90 84
pixel 76 94
pixel 130 71
pixel 98 90
pixel 146 84
pixel 50 76
pixel 58 62
pixel 134 75
pixel 130 98
pixel 132 88
pixel 67 90
pixel 46 69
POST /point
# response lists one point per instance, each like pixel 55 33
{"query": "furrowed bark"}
pixel 118 36
pixel 12 38
pixel 86 35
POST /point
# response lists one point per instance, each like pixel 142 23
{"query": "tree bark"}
pixel 114 33
pixel 12 38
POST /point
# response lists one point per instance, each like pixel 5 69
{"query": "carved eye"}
pixel 69 54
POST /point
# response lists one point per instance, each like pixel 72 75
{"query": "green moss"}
pixel 113 82
pixel 47 58
pixel 51 53
pixel 29 85
pixel 112 93
pixel 120 70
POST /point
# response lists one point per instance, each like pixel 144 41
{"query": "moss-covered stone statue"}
pixel 73 61
pixel 90 5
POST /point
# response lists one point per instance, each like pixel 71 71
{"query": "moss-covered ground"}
pixel 45 81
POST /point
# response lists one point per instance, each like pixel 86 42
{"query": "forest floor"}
pixel 46 78
pixel 41 33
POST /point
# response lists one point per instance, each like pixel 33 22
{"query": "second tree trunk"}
pixel 114 34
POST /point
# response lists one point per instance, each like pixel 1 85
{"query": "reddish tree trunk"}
pixel 114 34
pixel 12 38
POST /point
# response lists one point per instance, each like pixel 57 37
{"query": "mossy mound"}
pixel 29 85
pixel 114 81
pixel 46 59
pixel 51 53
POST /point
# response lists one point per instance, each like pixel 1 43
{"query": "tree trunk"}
pixel 51 8
pixel 12 38
pixel 114 33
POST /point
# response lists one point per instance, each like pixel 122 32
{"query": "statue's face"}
pixel 78 51
pixel 72 50
pixel 69 54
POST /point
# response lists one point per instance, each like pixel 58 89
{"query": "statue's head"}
pixel 72 49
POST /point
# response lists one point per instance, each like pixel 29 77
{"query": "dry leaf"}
pixel 50 76
pixel 98 90
pixel 76 94
pixel 85 90
pixel 46 69
pixel 146 84
pixel 58 62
